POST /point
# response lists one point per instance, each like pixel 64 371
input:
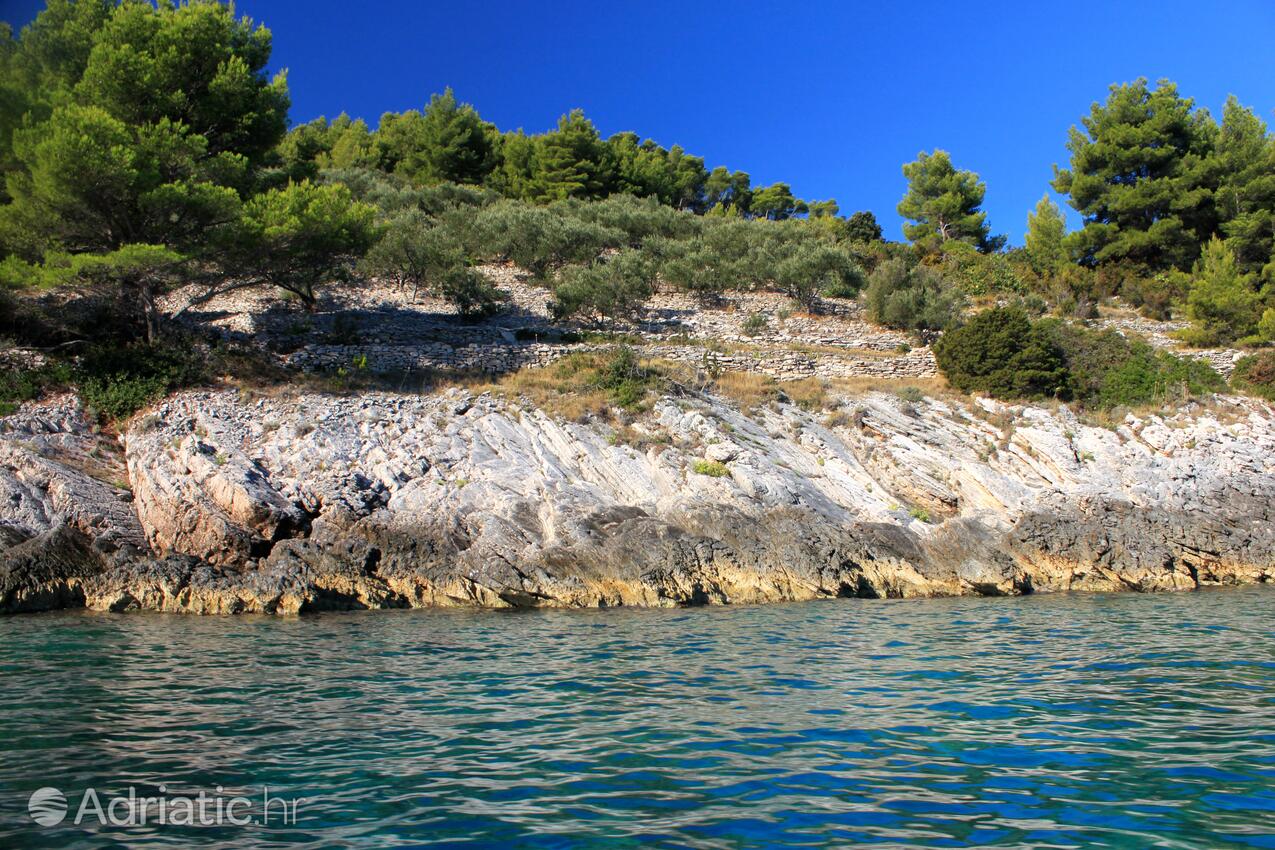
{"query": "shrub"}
pixel 117 382
pixel 469 290
pixel 27 384
pixel 1000 352
pixel 624 378
pixel 976 273
pixel 413 250
pixel 813 269
pixel 1148 376
pixel 1003 353
pixel 615 288
pixel 911 298
pixel 911 394
pixel 696 268
pixel 639 219
pixel 755 324
pixel 1255 374
pixel 711 468
pixel 1088 354
pixel 539 239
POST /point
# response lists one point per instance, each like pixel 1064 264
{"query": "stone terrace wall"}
pixel 496 359
pixel 383 322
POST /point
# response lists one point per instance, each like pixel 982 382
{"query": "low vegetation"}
pixel 1256 374
pixel 1003 353
pixel 711 468
pixel 212 191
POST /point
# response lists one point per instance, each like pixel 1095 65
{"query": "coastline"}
pixel 217 502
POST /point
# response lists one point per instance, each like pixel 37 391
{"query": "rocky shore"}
pixel 217 502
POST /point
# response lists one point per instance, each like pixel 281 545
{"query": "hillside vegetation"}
pixel 145 148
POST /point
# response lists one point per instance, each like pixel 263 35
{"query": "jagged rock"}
pixel 312 502
pixel 47 571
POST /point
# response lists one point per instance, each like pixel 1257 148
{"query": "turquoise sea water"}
pixel 1050 721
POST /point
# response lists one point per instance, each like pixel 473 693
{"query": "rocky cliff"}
pixel 217 503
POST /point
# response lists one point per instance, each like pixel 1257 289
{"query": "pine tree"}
pixel 455 144
pixel 1140 177
pixel 572 161
pixel 1046 230
pixel 1222 304
pixel 1245 198
pixel 863 227
pixel 943 201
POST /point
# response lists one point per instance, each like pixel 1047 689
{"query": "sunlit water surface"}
pixel 1051 721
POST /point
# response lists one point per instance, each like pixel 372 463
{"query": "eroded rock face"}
pixel 288 505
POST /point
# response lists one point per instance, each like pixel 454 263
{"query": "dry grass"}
pixel 550 393
pixel 808 393
pixel 929 387
pixel 749 390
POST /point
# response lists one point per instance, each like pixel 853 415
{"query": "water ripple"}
pixel 1052 722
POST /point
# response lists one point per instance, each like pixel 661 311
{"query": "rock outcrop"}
pixel 285 505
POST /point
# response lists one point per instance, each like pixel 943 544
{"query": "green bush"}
pixel 911 298
pixel 614 288
pixel 541 239
pixel 473 295
pixel 711 468
pixel 623 376
pixel 976 273
pixel 755 324
pixel 1000 352
pixel 1255 374
pixel 117 382
pixel 27 384
pixel 1148 376
pixel 116 397
pixel 814 268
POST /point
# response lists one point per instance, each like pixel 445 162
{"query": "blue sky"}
pixel 830 97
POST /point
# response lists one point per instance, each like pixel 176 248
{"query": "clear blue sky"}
pixel 830 97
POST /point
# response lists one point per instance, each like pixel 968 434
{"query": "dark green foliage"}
pixel 1089 355
pixel 1000 352
pixel 1256 374
pixel 1244 161
pixel 571 162
pixel 624 377
pixel 1148 376
pixel 21 385
pixel 776 203
pixel 157 118
pixel 863 227
pixel 943 202
pixel 646 170
pixel 1139 176
pixel 911 298
pixel 302 236
pixel 116 382
pixel 1222 303
pixel 455 145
